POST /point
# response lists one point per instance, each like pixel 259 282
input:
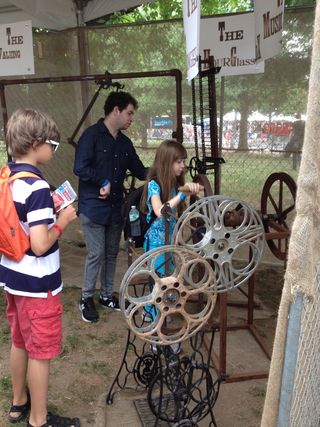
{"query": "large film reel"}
pixel 227 232
pixel 159 309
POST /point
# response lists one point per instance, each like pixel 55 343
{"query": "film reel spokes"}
pixel 225 231
pixel 157 292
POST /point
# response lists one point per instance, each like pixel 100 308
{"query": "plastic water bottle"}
pixel 134 218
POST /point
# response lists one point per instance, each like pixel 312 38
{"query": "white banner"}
pixel 191 24
pixel 230 40
pixel 269 24
pixel 16 49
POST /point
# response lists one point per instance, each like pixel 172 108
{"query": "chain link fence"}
pixel 305 404
pixel 158 46
pixel 249 159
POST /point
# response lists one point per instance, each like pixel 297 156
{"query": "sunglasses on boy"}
pixel 54 144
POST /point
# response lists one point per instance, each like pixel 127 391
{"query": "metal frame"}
pixel 206 93
pixel 102 80
pixel 164 370
pixel 233 220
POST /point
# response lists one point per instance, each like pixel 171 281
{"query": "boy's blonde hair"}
pixel 27 127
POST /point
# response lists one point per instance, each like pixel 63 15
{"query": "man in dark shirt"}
pixel 103 156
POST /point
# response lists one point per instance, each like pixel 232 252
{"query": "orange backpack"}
pixel 14 242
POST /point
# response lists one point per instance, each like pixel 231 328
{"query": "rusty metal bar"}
pixel 194 117
pixel 223 334
pixel 179 130
pixel 92 77
pixel 85 114
pixel 219 360
pixel 277 235
pixel 213 125
pixel 107 83
pixel 4 113
pixel 101 78
pixel 221 113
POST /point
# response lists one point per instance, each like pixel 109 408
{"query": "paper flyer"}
pixel 63 196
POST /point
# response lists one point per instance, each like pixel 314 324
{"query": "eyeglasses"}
pixel 54 144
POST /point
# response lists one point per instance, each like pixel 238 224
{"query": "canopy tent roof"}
pixel 61 14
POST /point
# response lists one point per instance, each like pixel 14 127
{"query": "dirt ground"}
pixel 91 356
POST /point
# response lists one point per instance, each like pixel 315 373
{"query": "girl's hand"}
pixel 191 188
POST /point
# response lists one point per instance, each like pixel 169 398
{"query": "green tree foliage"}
pixel 299 3
pixel 134 49
pixel 171 9
pixel 282 88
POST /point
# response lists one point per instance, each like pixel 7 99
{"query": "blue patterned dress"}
pixel 155 236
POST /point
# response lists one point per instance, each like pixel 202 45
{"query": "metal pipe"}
pixel 100 78
pixel 4 115
pixel 290 361
pixel 221 113
pixel 91 77
pixel 179 130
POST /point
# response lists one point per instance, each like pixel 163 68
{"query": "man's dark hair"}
pixel 120 100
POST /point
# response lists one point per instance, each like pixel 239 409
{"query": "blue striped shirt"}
pixel 33 275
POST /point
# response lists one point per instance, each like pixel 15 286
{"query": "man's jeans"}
pixel 102 242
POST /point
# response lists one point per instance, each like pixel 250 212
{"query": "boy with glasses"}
pixel 33 284
pixel 54 144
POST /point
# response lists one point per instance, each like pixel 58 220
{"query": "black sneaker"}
pixel 112 303
pixel 88 310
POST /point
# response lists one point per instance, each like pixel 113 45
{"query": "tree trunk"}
pixel 244 110
pixel 144 135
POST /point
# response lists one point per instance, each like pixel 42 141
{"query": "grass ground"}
pixel 92 353
pixel 82 372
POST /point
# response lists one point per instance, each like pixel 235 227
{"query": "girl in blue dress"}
pixel 165 176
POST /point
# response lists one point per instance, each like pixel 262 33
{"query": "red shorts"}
pixel 36 324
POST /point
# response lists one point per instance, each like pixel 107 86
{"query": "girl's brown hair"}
pixel 168 152
pixel 26 127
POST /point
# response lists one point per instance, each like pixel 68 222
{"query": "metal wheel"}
pixel 175 396
pixel 184 423
pixel 277 209
pixel 227 232
pixel 196 166
pixel 207 189
pixel 158 309
pixel 145 368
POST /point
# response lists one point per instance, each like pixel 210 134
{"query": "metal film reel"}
pixel 157 294
pixel 227 232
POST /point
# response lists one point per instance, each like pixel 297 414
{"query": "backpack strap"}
pixel 23 175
